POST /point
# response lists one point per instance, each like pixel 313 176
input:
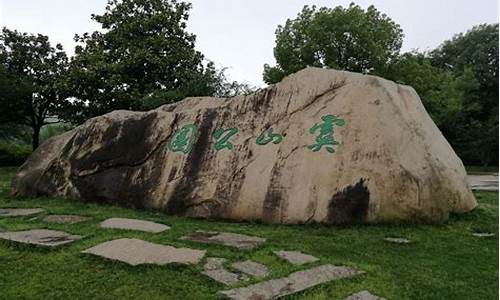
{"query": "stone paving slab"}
pixel 136 252
pixel 483 182
pixel 240 241
pixel 396 240
pixel 295 282
pixel 364 295
pixel 251 268
pixel 40 237
pixel 296 257
pixel 214 268
pixel 134 224
pixel 483 234
pixel 18 212
pixel 65 219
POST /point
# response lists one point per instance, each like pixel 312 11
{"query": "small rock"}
pixel 136 252
pixel 251 268
pixel 397 240
pixel 293 283
pixel 296 257
pixel 133 224
pixel 17 212
pixel 214 268
pixel 483 234
pixel 40 237
pixel 364 295
pixel 240 241
pixel 65 219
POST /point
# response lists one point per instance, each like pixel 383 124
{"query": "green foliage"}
pixel 457 82
pixel 143 57
pixel 458 85
pixel 442 262
pixel 12 154
pixel 441 91
pixel 51 130
pixel 474 55
pixel 15 141
pixel 342 38
pixel 31 85
pixel 15 133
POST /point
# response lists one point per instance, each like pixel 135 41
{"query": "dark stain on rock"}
pixel 272 203
pixel 227 194
pixel 262 99
pixel 180 200
pixel 133 133
pixel 349 205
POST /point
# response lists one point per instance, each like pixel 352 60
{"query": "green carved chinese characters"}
pixel 222 137
pixel 269 136
pixel 183 140
pixel 325 137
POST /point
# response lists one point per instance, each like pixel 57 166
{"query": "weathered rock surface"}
pixel 65 219
pixel 214 268
pixel 19 212
pixel 483 234
pixel 397 240
pixel 136 252
pixel 296 257
pixel 133 224
pixel 364 295
pixel 240 241
pixel 40 237
pixel 321 146
pixel 293 283
pixel 251 268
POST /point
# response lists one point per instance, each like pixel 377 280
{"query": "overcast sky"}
pixel 239 34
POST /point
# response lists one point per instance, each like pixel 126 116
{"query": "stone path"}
pixel 214 268
pixel 40 237
pixel 18 212
pixel 364 295
pixel 137 252
pixel 240 241
pixel 296 257
pixel 483 182
pixel 396 240
pixel 291 284
pixel 133 224
pixel 251 268
pixel 65 219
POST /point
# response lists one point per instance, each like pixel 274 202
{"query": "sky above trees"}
pixel 239 34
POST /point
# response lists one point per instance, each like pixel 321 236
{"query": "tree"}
pixel 31 72
pixel 441 91
pixel 474 54
pixel 342 38
pixel 142 58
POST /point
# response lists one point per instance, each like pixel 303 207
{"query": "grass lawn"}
pixel 443 262
pixel 481 169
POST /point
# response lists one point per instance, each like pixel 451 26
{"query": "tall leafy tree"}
pixel 474 54
pixel 441 91
pixel 31 85
pixel 142 57
pixel 342 38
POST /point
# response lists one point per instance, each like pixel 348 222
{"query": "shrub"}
pixel 13 154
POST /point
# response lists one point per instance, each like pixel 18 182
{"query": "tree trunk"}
pixel 36 137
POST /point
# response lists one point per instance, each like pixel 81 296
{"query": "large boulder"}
pixel 321 146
